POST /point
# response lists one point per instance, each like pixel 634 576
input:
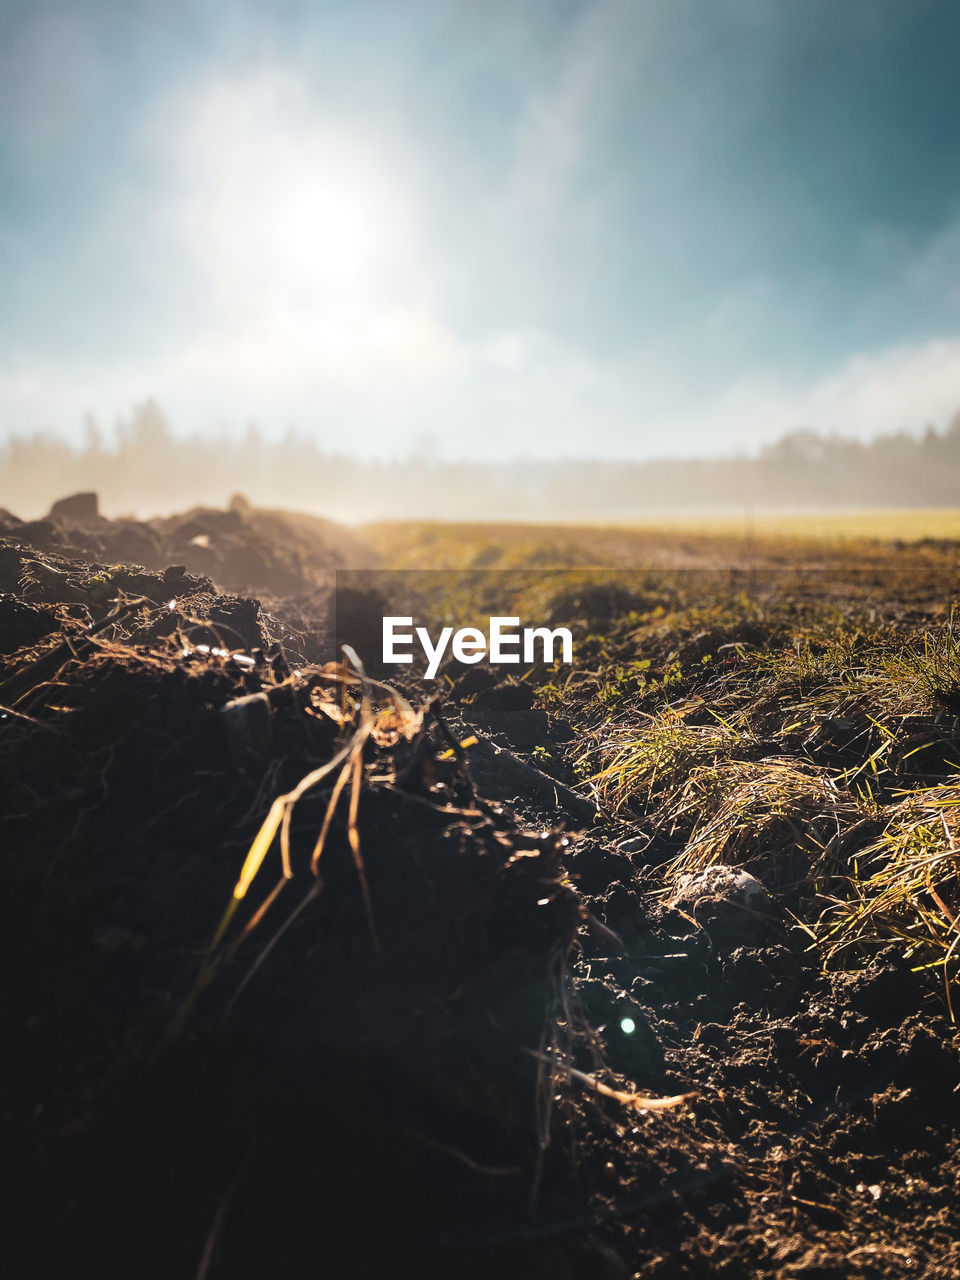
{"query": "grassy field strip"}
pixel 907 524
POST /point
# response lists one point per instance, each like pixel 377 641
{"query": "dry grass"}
pixel 672 538
pixel 779 816
pixel 782 693
pixel 344 692
pixel 823 754
pixel 650 764
pixel 904 887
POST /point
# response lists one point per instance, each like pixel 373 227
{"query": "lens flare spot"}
pixel 627 1026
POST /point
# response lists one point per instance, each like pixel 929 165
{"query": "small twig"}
pixel 37 724
pixel 475 1165
pixel 223 1206
pixel 635 1101
pixel 313 892
pixel 447 809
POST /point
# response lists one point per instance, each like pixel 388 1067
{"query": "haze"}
pixel 484 231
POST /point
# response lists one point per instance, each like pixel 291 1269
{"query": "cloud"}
pixel 515 394
pixel 934 276
pixel 891 390
pixel 899 388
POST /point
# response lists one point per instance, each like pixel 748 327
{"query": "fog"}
pixel 596 228
pixel 144 468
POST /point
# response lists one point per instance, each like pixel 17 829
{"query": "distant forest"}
pixel 145 468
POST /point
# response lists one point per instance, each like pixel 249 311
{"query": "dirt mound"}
pixel 242 548
pixel 366 1043
pixel 78 508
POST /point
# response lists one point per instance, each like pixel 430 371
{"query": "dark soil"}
pixel 244 548
pixel 333 1103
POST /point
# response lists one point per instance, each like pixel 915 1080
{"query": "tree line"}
pixel 144 467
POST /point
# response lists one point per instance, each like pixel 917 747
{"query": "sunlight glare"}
pixel 324 236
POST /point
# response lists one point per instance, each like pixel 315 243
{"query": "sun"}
pixel 281 207
pixel 324 236
pixel 302 238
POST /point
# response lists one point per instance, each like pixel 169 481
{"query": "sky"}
pixel 486 228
